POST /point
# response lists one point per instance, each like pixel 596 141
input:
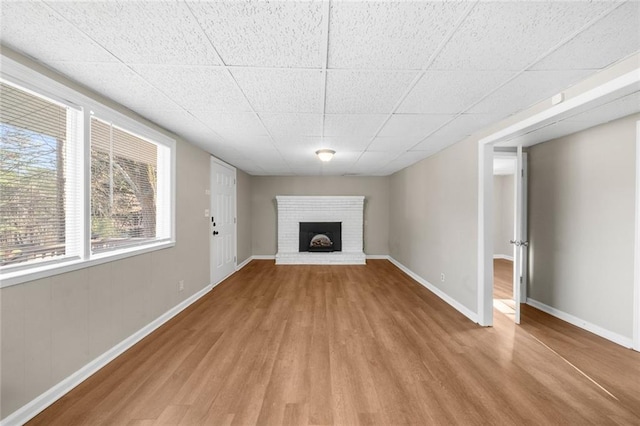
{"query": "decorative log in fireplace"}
pixel 320 236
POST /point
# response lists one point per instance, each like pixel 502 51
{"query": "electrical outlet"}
pixel 206 213
pixel 180 285
pixel 442 276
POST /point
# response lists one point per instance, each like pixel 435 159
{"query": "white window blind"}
pixel 36 182
pixel 124 183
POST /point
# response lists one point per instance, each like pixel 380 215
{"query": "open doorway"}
pixel 504 196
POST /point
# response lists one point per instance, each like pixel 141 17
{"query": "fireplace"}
pixel 334 245
pixel 320 236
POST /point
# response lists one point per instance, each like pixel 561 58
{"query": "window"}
pixel 80 183
pixel 124 172
pixel 36 134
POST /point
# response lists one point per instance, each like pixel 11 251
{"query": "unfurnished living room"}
pixel 319 212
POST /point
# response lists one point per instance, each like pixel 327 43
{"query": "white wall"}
pixel 264 212
pixel 581 222
pixel 503 214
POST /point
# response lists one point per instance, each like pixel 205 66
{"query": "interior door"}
pixel 223 221
pixel 520 243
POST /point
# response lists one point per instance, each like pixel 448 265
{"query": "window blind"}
pixel 124 176
pixel 34 133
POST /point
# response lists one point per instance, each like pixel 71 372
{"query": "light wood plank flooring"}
pixel 502 279
pixel 353 345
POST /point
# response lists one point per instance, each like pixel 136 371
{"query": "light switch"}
pixel 206 212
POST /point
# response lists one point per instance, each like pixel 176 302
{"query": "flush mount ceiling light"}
pixel 325 154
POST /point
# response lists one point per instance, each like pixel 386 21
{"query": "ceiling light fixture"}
pixel 325 154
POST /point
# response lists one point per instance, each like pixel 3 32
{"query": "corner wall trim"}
pixel 435 290
pixel 37 405
pixel 263 257
pixel 580 323
pixel 244 263
pixel 503 256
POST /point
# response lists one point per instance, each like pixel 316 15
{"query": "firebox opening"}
pixel 320 236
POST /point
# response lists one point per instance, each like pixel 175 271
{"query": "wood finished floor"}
pixel 353 345
pixel 502 279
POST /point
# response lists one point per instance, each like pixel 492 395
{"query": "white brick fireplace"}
pixel 349 210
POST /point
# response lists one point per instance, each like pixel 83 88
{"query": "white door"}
pixel 223 221
pixel 520 243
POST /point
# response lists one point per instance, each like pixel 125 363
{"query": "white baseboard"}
pixel 378 256
pixel 244 263
pixel 595 329
pixel 503 256
pixel 263 257
pixel 34 407
pixel 435 290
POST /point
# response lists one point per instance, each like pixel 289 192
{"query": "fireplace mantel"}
pixel 294 209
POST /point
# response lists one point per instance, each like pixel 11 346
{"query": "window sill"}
pixel 39 272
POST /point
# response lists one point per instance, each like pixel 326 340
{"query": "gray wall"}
pixel 581 221
pixel 434 222
pixel 503 214
pixel 54 326
pixel 243 201
pixel 264 218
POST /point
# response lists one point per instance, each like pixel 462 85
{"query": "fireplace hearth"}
pixel 320 236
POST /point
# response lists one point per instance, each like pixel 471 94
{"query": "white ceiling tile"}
pixel 117 82
pixel 451 91
pixel 410 129
pixel 232 126
pixel 461 127
pixel 526 90
pixel 267 34
pixel 350 125
pixel 388 34
pixel 365 91
pixel 142 32
pixel 293 124
pixel 510 35
pixel 405 160
pixel 249 145
pixel 199 87
pixel 614 37
pixel 33 28
pixel 391 144
pixel 373 161
pixel 281 90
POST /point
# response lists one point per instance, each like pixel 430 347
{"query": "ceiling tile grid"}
pixel 200 87
pixel 281 90
pixel 263 85
pixel 509 35
pixel 451 92
pixel 526 90
pixel 116 81
pixel 263 34
pixel 142 32
pixel 294 125
pixel 615 36
pixel 38 31
pixel 388 35
pixel 350 92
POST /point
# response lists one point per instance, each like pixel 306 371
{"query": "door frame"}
pixel 213 161
pixel 636 266
pixel 610 89
pixel 514 156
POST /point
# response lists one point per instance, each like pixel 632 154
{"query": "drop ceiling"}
pixel 263 85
